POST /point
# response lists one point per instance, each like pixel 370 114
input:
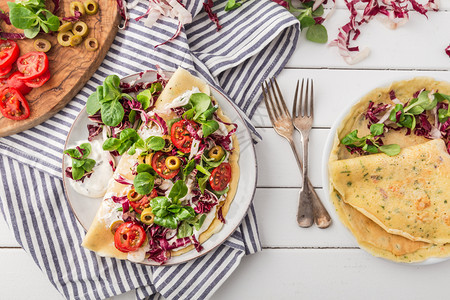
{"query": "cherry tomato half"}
pixel 3 84
pixel 9 52
pixel 13 105
pixel 220 177
pixel 38 81
pixel 143 203
pixel 5 70
pixel 32 65
pixel 159 165
pixel 14 82
pixel 181 137
pixel 129 237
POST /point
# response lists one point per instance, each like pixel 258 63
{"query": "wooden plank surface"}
pixel 70 67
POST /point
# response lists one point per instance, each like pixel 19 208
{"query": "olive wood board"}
pixel 70 67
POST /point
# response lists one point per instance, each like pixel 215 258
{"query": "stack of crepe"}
pixel 397 207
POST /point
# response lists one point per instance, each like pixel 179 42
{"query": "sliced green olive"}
pixel 91 44
pixel 147 217
pixel 115 225
pixel 216 153
pixel 65 27
pixel 134 196
pixel 168 146
pixel 80 28
pixel 76 40
pixel 76 6
pixel 64 38
pixel 42 45
pixel 91 7
pixel 148 159
pixel 173 163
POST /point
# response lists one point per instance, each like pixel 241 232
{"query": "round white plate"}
pixel 85 208
pixel 326 180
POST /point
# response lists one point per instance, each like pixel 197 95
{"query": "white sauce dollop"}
pixel 95 186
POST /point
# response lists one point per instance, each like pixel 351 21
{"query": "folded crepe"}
pixel 396 207
pixel 99 237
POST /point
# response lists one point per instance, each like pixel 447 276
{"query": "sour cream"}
pixel 95 186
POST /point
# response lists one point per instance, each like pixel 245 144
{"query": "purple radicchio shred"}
pixel 93 130
pixel 373 111
pixel 73 19
pixel 212 16
pixel 447 50
pixel 160 122
pixel 416 94
pixel 121 5
pixel 392 95
pixel 423 126
pixel 123 200
pixel 122 180
pixel 5 17
pixel 96 118
pixel 56 6
pixel 220 215
pixel 11 36
pixel 68 172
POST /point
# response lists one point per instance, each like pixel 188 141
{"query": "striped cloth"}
pixel 256 41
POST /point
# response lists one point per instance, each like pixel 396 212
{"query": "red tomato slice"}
pixel 129 237
pixel 181 137
pixel 5 70
pixel 32 64
pixel 3 84
pixel 159 165
pixel 18 84
pixel 13 105
pixel 9 52
pixel 220 177
pixel 143 203
pixel 39 81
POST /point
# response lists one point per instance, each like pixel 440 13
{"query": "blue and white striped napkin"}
pixel 255 43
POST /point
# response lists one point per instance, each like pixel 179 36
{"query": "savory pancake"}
pixel 99 237
pixel 391 232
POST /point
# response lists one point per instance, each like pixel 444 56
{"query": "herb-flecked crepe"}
pixel 397 207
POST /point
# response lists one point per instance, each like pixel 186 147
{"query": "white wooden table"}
pixel 299 263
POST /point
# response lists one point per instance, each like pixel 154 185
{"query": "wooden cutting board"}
pixel 70 67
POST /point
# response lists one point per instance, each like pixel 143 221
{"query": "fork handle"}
pixel 321 215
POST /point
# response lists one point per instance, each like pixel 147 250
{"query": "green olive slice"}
pixel 65 27
pixel 76 6
pixel 173 163
pixel 216 153
pixel 42 45
pixel 91 7
pixel 147 217
pixel 64 38
pixel 134 196
pixel 91 44
pixel 80 28
pixel 76 40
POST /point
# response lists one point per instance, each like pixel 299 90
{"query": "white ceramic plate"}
pixel 85 208
pixel 326 179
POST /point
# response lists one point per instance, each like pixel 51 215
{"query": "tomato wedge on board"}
pixel 9 52
pixel 14 82
pixel 5 70
pixel 13 105
pixel 32 65
pixel 181 137
pixel 38 81
pixel 143 203
pixel 220 177
pixel 159 165
pixel 129 237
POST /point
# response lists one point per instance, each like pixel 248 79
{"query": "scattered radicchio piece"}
pixel 122 6
pixel 122 180
pixel 96 118
pixel 160 122
pixel 56 6
pixel 282 3
pixel 373 111
pixel 68 172
pixel 11 36
pixel 212 16
pixel 174 36
pixel 73 19
pixel 123 200
pixel 447 50
pixel 93 130
pixel 4 16
pixel 220 215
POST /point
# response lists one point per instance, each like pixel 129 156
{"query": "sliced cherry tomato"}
pixel 32 65
pixel 181 137
pixel 143 203
pixel 9 52
pixel 5 70
pixel 3 84
pixel 38 81
pixel 18 84
pixel 220 177
pixel 13 105
pixel 129 237
pixel 159 165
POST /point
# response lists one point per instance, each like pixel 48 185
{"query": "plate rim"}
pixel 246 209
pixel 326 178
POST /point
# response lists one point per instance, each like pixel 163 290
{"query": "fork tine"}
pixel 280 98
pixel 311 100
pixel 277 107
pixel 269 104
pixel 301 99
pixel 295 109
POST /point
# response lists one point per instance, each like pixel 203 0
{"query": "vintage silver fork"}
pixel 283 125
